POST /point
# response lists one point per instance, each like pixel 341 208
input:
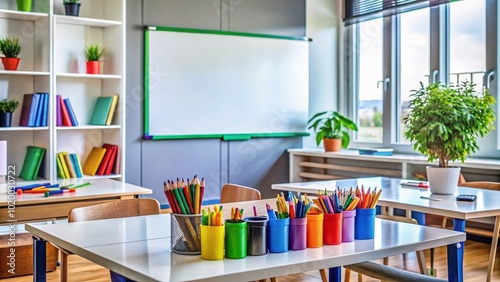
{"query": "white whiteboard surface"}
pixel 208 85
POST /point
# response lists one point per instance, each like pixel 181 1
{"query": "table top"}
pixel 405 197
pixel 99 188
pixel 139 248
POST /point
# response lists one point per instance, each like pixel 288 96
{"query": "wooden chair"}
pixel 114 209
pixel 360 267
pixel 238 193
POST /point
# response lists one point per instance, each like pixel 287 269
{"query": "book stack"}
pixel 32 162
pixel 102 161
pixel 104 110
pixel 68 165
pixel 34 110
pixel 65 114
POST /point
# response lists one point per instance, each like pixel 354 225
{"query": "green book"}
pixel 32 162
pixel 101 110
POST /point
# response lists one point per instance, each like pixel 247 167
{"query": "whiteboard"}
pixel 212 84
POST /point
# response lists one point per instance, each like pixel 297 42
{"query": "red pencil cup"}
pixel 332 229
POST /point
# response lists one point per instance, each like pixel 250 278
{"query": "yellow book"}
pixel 63 165
pixel 69 164
pixel 111 112
pixel 93 161
pixel 60 170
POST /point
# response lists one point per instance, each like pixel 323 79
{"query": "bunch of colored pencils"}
pixel 236 214
pixel 340 200
pixel 185 197
pixel 212 218
pixel 368 199
pixel 300 205
pixel 281 209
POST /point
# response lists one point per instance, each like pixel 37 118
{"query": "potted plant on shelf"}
pixel 71 7
pixel 24 5
pixel 93 54
pixel 332 128
pixel 10 48
pixel 444 124
pixel 7 107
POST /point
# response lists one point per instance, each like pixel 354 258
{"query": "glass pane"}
pixel 468 41
pixel 369 83
pixel 415 57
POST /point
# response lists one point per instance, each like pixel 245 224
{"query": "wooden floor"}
pixel 475 267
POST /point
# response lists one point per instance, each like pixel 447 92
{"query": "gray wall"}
pixel 258 162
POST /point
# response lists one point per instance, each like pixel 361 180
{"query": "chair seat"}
pixel 389 273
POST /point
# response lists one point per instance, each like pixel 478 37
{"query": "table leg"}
pixel 493 251
pixel 456 255
pixel 39 260
pixel 335 274
pixel 418 216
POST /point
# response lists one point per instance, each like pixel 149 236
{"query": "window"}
pixel 391 55
pixel 414 59
pixel 369 80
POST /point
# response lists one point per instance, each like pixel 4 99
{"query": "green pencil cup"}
pixel 235 241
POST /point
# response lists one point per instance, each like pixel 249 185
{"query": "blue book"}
pixel 39 110
pixel 45 109
pixel 33 110
pixel 71 113
pixel 74 162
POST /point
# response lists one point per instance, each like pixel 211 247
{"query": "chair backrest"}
pixel 238 193
pixel 115 209
pixel 482 184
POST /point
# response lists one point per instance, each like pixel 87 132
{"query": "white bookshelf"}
pixel 52 62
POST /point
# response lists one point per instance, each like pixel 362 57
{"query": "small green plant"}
pixel 332 125
pixel 8 106
pixel 71 1
pixel 93 52
pixel 445 121
pixel 10 47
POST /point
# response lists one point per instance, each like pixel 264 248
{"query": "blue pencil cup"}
pixel 278 235
pixel 364 224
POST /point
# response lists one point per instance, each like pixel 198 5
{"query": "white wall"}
pixel 323 25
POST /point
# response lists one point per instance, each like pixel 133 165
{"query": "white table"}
pixel 31 207
pixel 139 248
pixel 408 198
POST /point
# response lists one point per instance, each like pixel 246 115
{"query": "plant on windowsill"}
pixel 7 107
pixel 444 124
pixel 72 7
pixel 10 47
pixel 93 54
pixel 333 128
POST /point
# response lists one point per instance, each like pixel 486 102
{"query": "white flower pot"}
pixel 443 180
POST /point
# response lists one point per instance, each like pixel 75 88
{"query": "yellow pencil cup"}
pixel 212 242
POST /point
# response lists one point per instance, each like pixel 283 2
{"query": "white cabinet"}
pixel 316 164
pixel 52 61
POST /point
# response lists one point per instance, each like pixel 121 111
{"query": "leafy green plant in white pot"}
pixel 333 129
pixel 444 124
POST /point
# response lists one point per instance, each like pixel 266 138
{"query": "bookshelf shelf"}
pixel 89 127
pixel 24 128
pixel 52 62
pixel 87 177
pixel 28 73
pixel 88 76
pixel 60 19
pixel 24 16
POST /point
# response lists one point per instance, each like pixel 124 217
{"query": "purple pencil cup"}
pixel 348 225
pixel 298 233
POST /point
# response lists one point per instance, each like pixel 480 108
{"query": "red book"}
pixel 111 163
pixel 65 115
pixel 104 162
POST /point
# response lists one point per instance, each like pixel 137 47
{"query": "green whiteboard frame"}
pixel 226 137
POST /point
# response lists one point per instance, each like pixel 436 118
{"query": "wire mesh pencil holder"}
pixel 186 234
